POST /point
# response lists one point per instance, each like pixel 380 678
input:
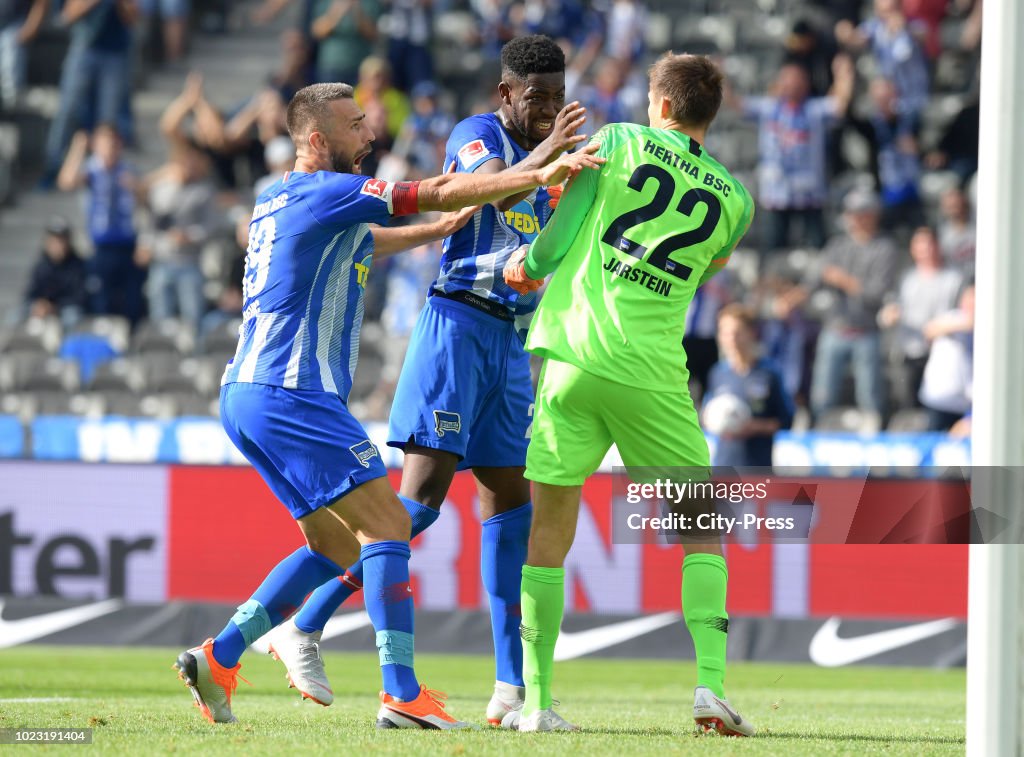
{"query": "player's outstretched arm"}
pixel 389 240
pixel 454 191
pixel 526 269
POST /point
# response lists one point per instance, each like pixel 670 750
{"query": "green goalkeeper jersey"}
pixel 631 243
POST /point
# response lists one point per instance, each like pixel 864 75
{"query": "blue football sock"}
pixel 503 541
pixel 281 592
pixel 388 598
pixel 323 602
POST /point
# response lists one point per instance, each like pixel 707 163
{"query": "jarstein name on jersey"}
pixel 636 275
pixel 675 160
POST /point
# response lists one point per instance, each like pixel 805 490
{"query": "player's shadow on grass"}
pixel 804 735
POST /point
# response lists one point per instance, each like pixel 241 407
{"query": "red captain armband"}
pixel 405 198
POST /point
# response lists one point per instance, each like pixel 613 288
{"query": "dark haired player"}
pixel 629 247
pixel 464 397
pixel 284 394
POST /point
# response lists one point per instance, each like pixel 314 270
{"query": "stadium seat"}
pixel 371 364
pixel 913 421
pixel 89 351
pixel 135 406
pixel 168 336
pixel 114 328
pixel 223 339
pixel 32 335
pixel 166 373
pixel 61 403
pixel 185 404
pixel 849 419
pixel 37 371
pixel 122 375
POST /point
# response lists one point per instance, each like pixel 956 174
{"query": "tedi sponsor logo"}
pixel 67 555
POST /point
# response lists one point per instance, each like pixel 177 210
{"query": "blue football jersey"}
pixel 475 256
pixel 309 255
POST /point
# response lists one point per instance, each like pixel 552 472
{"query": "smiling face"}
pixel 346 137
pixel 529 106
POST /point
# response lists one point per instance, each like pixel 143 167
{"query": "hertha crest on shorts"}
pixel 445 421
pixel 364 452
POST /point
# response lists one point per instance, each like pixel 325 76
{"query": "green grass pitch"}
pixel 137 706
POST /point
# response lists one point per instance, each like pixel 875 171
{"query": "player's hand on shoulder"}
pixel 570 164
pixel 453 221
pixel 515 273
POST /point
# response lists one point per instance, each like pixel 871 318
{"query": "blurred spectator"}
pixel 409 36
pixel 792 167
pixel 946 388
pixel 700 334
pixel 207 126
pixel 111 184
pixel 96 74
pixel 926 291
pixel 293 72
pixel 744 373
pixel 787 333
pixel 421 142
pixel 386 108
pixel 231 299
pixel 957 233
pixel 58 283
pixel 808 47
pixel 183 214
pixel 625 30
pixel 280 157
pixel 970 38
pixel 896 46
pixel 20 21
pixel 610 99
pixel 346 31
pixel 173 23
pixel 859 268
pixel 957 150
pixel 929 14
pixel 895 159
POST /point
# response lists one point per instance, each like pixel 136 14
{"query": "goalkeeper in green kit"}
pixel 628 245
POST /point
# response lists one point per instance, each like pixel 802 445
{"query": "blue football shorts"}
pixel 305 444
pixel 465 387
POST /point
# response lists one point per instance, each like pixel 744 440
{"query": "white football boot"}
pixel 300 653
pixel 538 720
pixel 506 698
pixel 714 714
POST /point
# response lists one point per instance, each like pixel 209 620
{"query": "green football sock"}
pixel 705 578
pixel 543 601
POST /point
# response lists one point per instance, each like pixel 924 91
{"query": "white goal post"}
pixel 995 626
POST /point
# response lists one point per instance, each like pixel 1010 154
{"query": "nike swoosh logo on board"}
pixel 24 630
pixel 830 651
pixel 576 644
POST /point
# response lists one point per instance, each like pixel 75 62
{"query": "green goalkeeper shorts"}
pixel 578 416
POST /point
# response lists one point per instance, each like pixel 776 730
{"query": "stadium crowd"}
pixel 854 124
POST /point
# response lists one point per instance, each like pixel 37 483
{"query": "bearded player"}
pixel 464 397
pixel 629 246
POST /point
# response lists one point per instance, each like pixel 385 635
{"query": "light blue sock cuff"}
pixel 252 620
pixel 395 648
